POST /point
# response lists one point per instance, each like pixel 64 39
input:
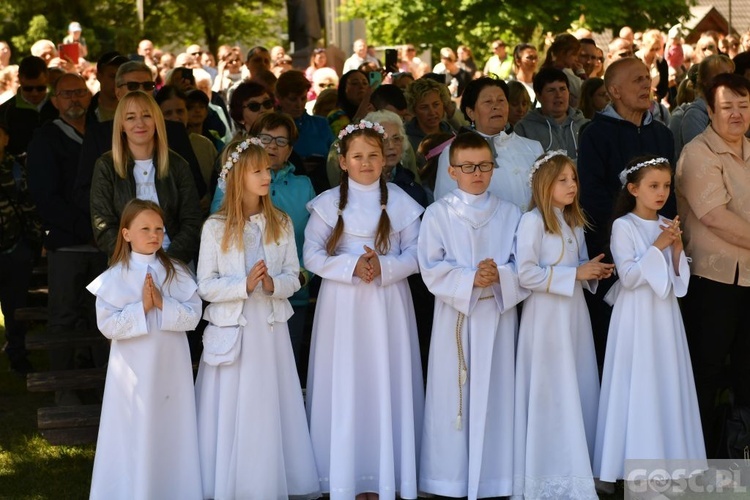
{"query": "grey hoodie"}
pixel 549 133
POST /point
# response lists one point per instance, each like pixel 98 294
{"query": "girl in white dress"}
pixel 648 407
pixel 557 381
pixel 148 440
pixel 253 437
pixel 364 386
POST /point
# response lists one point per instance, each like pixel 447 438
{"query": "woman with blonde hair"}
pixel 141 165
pixel 427 101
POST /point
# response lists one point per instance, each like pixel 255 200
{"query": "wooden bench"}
pixel 69 425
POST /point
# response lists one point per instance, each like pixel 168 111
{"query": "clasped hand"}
pixel 368 265
pixel 486 274
pixel 671 234
pixel 594 269
pixel 151 294
pixel 259 274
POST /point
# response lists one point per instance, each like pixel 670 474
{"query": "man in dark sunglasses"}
pixel 30 107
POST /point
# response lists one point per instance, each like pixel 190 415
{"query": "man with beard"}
pixel 73 260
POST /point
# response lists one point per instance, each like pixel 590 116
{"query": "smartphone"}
pixel 391 60
pixel 376 78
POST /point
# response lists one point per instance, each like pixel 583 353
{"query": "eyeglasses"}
pixel 34 88
pixel 470 168
pixel 411 49
pixel 69 94
pixel 395 139
pixel 133 86
pixel 255 106
pixel 268 139
pixel 623 55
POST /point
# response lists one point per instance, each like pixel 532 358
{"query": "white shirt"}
pixel 145 187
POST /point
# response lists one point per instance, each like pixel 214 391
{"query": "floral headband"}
pixel 234 157
pixel 624 174
pixel 363 124
pixel 544 159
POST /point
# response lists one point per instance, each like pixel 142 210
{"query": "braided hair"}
pixel 382 235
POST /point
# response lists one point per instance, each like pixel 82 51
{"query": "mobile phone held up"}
pixel 375 78
pixel 391 60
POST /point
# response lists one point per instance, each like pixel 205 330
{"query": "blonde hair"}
pixel 231 208
pixel 121 151
pixel 122 248
pixel 541 195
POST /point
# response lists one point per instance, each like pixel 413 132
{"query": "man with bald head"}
pixel 359 57
pixel 624 130
pixel 619 48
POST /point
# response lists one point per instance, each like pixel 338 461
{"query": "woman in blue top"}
pixel 290 193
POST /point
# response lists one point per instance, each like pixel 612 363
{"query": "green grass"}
pixel 30 468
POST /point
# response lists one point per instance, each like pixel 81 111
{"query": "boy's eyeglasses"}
pixel 268 139
pixel 255 106
pixel 470 168
pixel 133 86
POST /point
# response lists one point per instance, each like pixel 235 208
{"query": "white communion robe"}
pixel 557 380
pixel 514 156
pixel 364 386
pixel 148 436
pixel 648 407
pixel 473 457
pixel 252 428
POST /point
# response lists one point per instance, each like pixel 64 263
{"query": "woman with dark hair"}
pixel 594 97
pixel 485 104
pixel 173 104
pixel 563 54
pixel 353 96
pixel 713 189
pixel 525 59
pixel 250 100
pixel 318 59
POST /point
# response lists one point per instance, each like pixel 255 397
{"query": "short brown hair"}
pixel 292 82
pixel 736 83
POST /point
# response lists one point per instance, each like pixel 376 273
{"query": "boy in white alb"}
pixel 466 256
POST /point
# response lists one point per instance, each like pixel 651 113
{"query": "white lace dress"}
pixel 148 436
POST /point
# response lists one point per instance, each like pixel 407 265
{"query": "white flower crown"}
pixel 624 174
pixel 363 124
pixel 234 157
pixel 544 159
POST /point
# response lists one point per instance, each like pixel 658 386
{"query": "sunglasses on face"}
pixel 69 94
pixel 34 88
pixel 133 86
pixel 268 139
pixel 470 168
pixel 255 106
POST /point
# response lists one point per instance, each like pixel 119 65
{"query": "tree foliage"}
pixel 170 24
pixel 478 22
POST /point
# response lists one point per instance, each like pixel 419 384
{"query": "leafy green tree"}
pixel 478 22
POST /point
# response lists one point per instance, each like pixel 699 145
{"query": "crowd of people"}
pixel 496 254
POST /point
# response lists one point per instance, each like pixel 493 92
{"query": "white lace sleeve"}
pixel 180 316
pixel 119 324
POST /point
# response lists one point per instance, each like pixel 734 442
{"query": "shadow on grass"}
pixel 30 468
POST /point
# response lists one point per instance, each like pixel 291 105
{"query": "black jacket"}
pixel 51 167
pixel 22 121
pixel 178 199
